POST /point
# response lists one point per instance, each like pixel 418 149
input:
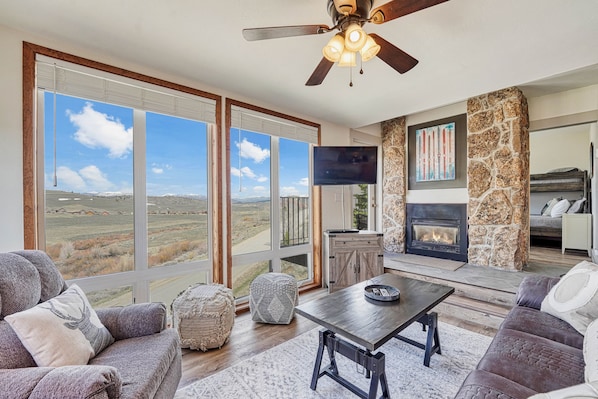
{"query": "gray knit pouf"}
pixel 272 298
pixel 204 316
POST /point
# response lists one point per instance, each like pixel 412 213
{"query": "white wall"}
pixel 565 103
pixel 560 147
pixel 11 159
pixel 11 148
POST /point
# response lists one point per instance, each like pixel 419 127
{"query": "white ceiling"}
pixel 464 48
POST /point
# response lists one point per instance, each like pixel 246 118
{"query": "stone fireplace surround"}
pixel 497 180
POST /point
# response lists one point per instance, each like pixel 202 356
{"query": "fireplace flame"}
pixel 437 234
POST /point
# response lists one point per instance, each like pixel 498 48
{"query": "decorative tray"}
pixel 379 292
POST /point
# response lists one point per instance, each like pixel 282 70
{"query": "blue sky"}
pixel 94 153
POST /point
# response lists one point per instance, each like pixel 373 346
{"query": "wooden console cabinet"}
pixel 577 231
pixel 350 258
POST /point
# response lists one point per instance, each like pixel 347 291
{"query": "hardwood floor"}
pixel 547 254
pixel 249 338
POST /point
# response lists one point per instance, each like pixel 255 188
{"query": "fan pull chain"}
pixel 55 177
pixel 350 76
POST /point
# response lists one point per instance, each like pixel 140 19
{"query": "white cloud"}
pixel 94 178
pixel 69 180
pixel 289 190
pixel 247 172
pixel 157 171
pixel 87 179
pixel 249 150
pixel 259 188
pixel 98 130
pixel 304 181
pixel 235 172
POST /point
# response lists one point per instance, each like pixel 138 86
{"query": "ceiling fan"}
pixel 348 17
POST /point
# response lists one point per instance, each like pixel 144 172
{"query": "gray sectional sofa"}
pixel 144 360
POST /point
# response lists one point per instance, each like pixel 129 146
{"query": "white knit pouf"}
pixel 273 297
pixel 204 316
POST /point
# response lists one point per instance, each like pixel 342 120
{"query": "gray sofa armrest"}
pixel 68 382
pixel 533 289
pixel 134 320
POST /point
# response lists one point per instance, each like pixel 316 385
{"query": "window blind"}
pixel 79 81
pixel 255 121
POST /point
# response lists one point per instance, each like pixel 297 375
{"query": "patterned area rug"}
pixel 285 370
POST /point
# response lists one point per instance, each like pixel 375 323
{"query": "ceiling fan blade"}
pixel 275 32
pixel 394 56
pixel 397 8
pixel 320 72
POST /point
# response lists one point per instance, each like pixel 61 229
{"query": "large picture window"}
pixel 270 197
pixel 125 190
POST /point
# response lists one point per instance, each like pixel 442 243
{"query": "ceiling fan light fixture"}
pixel 370 50
pixel 355 38
pixel 333 50
pixel 347 59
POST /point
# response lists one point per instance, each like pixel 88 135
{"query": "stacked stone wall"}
pixel 498 179
pixel 394 136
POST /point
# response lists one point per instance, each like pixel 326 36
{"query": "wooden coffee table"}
pixel 370 324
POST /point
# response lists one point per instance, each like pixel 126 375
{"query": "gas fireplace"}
pixel 438 230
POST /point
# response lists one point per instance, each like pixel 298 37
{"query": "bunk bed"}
pixel 571 184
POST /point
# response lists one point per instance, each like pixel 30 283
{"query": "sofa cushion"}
pixel 62 331
pixel 51 280
pixel 13 354
pixel 533 289
pixel 538 363
pixel 590 352
pixel 20 285
pixel 486 385
pixel 542 324
pixel 142 361
pixel 574 298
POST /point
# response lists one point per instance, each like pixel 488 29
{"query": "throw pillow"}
pixel 590 352
pixel 548 207
pixel 62 331
pixel 560 208
pixel 580 391
pixel 574 298
pixel 577 206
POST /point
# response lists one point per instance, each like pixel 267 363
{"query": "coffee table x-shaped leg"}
pixel 373 364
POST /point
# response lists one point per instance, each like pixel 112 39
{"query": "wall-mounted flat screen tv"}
pixel 345 165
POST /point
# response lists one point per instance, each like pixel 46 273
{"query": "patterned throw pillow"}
pixel 574 298
pixel 62 331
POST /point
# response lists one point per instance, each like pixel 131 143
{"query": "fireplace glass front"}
pixel 447 235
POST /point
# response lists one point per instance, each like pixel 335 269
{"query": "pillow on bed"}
pixel 577 206
pixel 548 207
pixel 560 208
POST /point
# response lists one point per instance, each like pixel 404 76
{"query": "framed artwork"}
pixel 438 154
